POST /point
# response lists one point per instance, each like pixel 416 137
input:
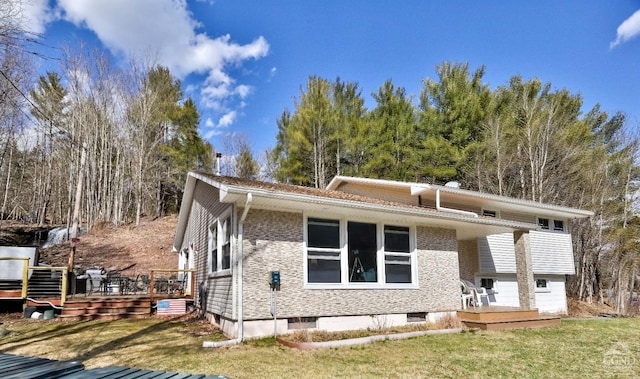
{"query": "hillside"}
pixel 134 248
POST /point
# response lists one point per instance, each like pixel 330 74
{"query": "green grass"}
pixel 584 348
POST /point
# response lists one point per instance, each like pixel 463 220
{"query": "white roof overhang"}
pixel 476 199
pixel 467 227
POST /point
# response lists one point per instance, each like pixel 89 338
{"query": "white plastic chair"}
pixel 467 295
pixel 475 293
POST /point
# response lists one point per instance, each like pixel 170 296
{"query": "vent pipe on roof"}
pixel 218 157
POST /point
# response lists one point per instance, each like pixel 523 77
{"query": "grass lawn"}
pixel 577 349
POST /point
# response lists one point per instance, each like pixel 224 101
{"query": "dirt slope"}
pixel 134 248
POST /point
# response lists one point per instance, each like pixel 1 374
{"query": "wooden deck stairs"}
pixel 501 318
pixel 111 308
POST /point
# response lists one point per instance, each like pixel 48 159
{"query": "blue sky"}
pixel 245 61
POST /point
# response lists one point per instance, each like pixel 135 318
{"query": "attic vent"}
pixel 452 184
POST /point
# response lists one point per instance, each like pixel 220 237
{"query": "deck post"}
pixel 524 269
pixel 65 283
pixel 152 285
pixel 25 277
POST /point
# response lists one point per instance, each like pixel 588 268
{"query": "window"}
pixel 213 246
pixel 323 251
pixel 487 283
pixel 541 284
pixel 226 243
pixel 345 252
pixel 397 259
pixel 547 224
pixel 558 225
pixel 363 251
pixel 220 244
pixel 489 213
pixel 543 223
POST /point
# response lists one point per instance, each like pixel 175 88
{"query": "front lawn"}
pixel 584 348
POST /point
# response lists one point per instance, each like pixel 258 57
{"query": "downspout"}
pixel 240 332
pixel 459 211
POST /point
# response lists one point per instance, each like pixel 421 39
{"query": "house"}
pixel 364 252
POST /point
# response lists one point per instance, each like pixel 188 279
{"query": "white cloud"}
pixel 629 29
pixel 227 119
pixel 168 30
pixel 215 129
pixel 243 90
pixel 36 14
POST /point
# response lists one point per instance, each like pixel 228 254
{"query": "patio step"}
pixel 501 318
pixel 106 309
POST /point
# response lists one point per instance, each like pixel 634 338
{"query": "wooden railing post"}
pixel 25 277
pixel 63 294
pixel 152 285
pixel 193 283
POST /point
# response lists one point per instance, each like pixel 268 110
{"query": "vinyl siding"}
pixel 205 209
pixel 520 217
pixel 497 253
pixel 552 253
pixel 553 299
pixel 505 292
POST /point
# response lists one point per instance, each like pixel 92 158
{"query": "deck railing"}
pixel 33 281
pixel 51 283
pixel 166 283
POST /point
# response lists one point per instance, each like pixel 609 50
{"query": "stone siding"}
pixel 274 241
pixel 468 259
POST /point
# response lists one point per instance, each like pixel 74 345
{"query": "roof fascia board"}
pixel 337 180
pixel 420 188
pixel 526 205
pixel 230 190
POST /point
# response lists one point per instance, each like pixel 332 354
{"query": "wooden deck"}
pixel 501 318
pixel 110 307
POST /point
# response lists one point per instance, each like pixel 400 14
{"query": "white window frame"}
pixel 559 230
pixel 496 213
pixel 309 252
pixel 549 221
pixel 344 256
pixel 491 291
pixel 545 289
pixel 552 225
pixel 219 243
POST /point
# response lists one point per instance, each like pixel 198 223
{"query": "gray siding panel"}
pixel 552 253
pixel 497 253
pixel 512 216
pixel 205 208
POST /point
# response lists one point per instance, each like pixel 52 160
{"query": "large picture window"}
pixel 363 251
pixel 220 232
pixel 349 252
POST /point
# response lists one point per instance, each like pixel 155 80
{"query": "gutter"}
pixel 458 211
pixel 239 338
